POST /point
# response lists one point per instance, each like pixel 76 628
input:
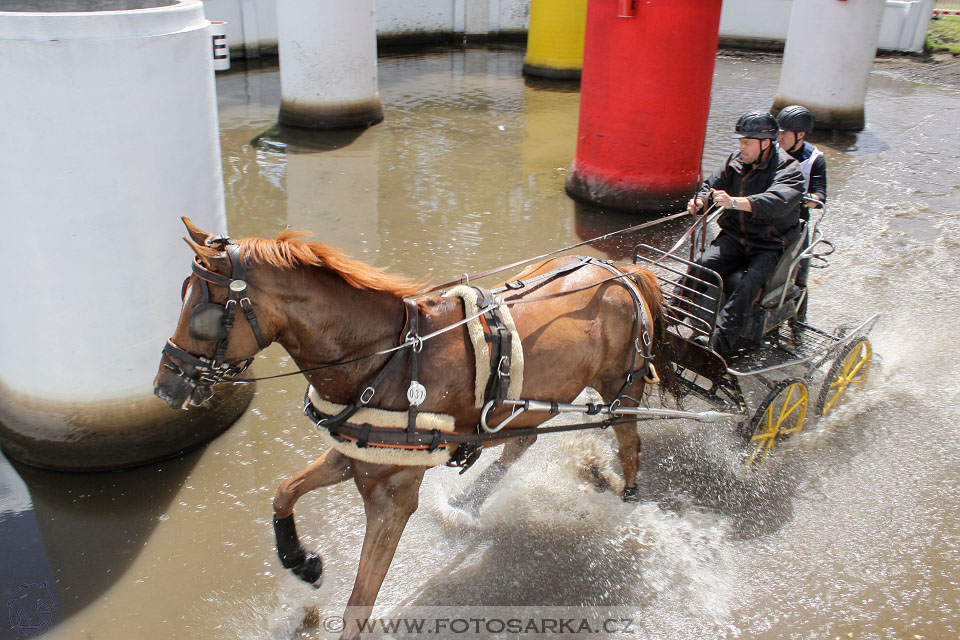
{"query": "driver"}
pixel 796 123
pixel 760 188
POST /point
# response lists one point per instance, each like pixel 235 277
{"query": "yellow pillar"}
pixel 555 38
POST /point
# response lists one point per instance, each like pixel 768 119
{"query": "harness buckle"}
pixel 503 367
pixel 219 239
pixel 415 341
pixel 364 398
pixel 516 284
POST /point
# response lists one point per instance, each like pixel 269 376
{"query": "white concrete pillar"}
pixel 328 64
pixel 111 135
pixel 827 59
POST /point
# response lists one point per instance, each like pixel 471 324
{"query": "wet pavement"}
pixel 851 532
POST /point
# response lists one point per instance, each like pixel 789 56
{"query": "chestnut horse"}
pixel 325 307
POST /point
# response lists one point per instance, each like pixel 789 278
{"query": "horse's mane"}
pixel 289 250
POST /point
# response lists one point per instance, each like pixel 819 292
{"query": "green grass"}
pixel 944 35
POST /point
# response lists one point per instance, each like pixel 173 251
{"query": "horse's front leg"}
pixel 473 497
pixel 330 468
pixel 390 496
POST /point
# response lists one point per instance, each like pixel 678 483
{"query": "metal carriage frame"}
pixel 788 357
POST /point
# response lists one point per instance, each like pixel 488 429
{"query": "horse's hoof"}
pixel 310 570
pixel 630 494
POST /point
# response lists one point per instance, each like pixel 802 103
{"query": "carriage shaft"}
pixel 620 411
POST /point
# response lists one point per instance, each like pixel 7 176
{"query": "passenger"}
pixel 796 123
pixel 760 187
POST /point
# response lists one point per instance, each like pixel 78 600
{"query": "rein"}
pixel 465 278
pixel 212 322
pixel 511 301
pixel 214 372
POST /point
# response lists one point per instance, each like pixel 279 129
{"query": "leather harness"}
pixel 499 339
pixel 213 323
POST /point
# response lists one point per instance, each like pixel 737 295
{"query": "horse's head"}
pixel 218 332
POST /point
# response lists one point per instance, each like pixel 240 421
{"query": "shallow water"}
pixel 851 532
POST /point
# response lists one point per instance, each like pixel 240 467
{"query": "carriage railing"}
pixel 691 293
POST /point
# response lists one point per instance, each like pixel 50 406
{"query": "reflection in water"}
pixel 92 526
pixel 853 527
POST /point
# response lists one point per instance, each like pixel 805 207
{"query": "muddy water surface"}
pixel 852 532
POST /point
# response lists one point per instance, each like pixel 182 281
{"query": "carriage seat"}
pixel 773 288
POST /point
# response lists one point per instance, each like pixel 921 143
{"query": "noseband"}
pixel 211 322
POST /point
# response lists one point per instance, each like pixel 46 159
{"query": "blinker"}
pixel 206 322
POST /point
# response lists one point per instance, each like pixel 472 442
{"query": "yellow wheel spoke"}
pixel 851 369
pixel 786 401
pixel 784 411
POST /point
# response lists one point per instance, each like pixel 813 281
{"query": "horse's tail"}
pixel 663 348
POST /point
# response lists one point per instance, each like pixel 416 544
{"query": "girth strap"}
pixel 501 343
pixel 432 438
pixel 416 393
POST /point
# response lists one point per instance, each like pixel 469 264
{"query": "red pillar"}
pixel 644 101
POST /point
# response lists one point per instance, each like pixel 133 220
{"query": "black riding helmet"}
pixel 757 124
pixel 795 118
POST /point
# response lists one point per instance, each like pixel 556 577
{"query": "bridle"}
pixel 212 322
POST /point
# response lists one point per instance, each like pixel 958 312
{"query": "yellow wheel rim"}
pixel 852 370
pixel 783 416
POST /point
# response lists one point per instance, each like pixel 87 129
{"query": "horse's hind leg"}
pixel 473 497
pixel 330 468
pixel 390 496
pixel 628 441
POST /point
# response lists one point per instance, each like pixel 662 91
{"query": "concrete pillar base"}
pixel 101 436
pixel 346 115
pixel 593 190
pixel 840 118
pixel 550 72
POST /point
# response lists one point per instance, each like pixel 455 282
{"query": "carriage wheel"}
pixel 850 368
pixel 780 415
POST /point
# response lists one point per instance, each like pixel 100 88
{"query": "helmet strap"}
pixel 798 140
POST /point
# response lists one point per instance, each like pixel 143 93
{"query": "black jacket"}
pixel 774 187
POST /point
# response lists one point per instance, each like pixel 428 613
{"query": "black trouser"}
pixel 727 256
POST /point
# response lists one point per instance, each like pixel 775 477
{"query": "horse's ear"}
pixel 205 254
pixel 198 235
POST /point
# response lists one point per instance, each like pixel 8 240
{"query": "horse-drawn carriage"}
pixel 786 356
pixel 401 381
